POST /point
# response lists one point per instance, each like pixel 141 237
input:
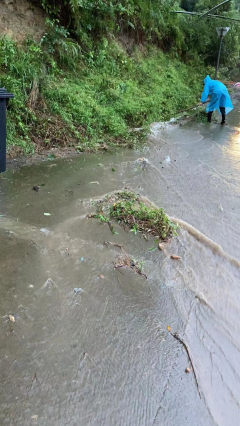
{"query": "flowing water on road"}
pixel 104 355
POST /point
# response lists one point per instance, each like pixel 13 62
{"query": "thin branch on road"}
pixel 176 336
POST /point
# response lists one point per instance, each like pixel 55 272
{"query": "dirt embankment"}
pixel 20 19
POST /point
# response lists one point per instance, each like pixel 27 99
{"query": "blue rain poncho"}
pixel 218 93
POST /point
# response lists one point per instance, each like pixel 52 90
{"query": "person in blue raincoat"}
pixel 220 98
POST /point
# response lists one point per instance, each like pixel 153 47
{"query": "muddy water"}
pixel 104 356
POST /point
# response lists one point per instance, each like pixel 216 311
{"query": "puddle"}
pixel 103 355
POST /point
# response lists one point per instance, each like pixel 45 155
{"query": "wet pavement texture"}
pixel 103 355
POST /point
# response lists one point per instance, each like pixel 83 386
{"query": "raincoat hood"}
pixel 207 80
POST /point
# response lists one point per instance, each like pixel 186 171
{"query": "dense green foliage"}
pixel 200 36
pixel 149 21
pixel 104 66
pixel 94 104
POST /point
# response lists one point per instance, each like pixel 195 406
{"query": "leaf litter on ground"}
pixel 12 318
pixel 127 262
pixel 175 257
pixel 78 290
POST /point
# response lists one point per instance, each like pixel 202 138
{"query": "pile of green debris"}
pixel 132 211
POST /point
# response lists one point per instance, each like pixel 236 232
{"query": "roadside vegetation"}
pixel 104 68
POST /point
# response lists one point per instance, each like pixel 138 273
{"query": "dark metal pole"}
pixel 2 135
pixel 4 96
pixel 219 54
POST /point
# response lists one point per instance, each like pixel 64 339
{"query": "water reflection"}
pixel 235 140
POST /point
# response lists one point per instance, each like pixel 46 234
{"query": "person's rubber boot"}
pixel 223 112
pixel 209 116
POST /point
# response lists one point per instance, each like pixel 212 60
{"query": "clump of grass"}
pixel 141 218
pixel 129 210
pixel 201 116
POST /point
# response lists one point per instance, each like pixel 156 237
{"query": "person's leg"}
pixel 223 112
pixel 209 116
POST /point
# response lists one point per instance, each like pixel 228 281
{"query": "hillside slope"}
pixel 20 18
pixel 89 87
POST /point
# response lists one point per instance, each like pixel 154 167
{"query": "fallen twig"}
pixel 118 270
pixel 106 243
pixel 195 106
pixel 85 355
pixel 35 378
pixel 91 215
pixel 111 227
pixel 127 262
pixel 80 363
pixel 176 336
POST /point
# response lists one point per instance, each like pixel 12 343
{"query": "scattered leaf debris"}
pixel 91 215
pixel 78 290
pixel 35 417
pixel 127 262
pixel 12 318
